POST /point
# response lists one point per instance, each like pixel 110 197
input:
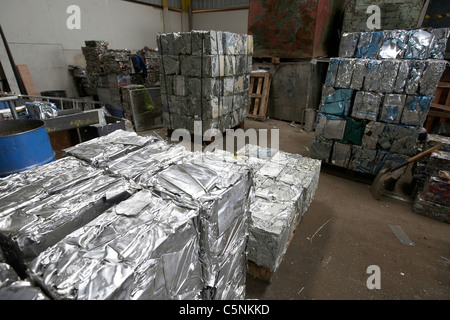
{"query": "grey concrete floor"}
pixel 346 230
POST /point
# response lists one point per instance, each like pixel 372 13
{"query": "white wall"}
pixel 233 21
pixel 38 36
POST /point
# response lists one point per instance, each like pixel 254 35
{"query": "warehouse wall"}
pixel 231 20
pixel 38 36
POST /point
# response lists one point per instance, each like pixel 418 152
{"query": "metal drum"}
pixel 23 144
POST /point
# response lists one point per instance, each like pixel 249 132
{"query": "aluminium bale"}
pixel 270 232
pixel 439 43
pixel 285 185
pixel 430 209
pixel 12 287
pixel 341 154
pixel 348 44
pixel 100 151
pixel 374 75
pixel 389 71
pixel 437 190
pixel 403 139
pixel 419 42
pixel 432 140
pixel 143 248
pixel 344 73
pixel 374 136
pixel 417 68
pixel 29 229
pixel 336 101
pixel 402 75
pixel 359 74
pixel 221 189
pixel 366 105
pixel 330 127
pixel 321 149
pixel 354 131
pixel 392 109
pixel 386 159
pixel 438 161
pixel 369 44
pixel 416 110
pixel 362 159
pixel 332 71
pixel 431 76
pixel 394 44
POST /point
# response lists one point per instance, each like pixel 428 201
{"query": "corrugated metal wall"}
pixel 218 4
pixel 198 5
pixel 172 4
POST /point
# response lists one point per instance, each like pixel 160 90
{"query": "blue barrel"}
pixel 24 144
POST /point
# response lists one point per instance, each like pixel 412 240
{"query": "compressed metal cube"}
pixel 416 110
pixel 35 225
pixel 341 154
pixel 392 109
pixel 330 127
pixel 419 42
pixel 336 101
pixel 431 76
pixel 345 73
pixel 369 44
pixel 348 44
pixel 100 151
pixel 374 134
pixel 367 105
pixel 363 159
pixel 142 248
pixel 394 44
pixel 221 190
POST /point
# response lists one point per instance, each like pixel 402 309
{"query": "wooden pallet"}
pixel 260 83
pixel 440 107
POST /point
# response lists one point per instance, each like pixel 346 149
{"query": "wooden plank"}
pixel 437 95
pixel 444 85
pixel 447 101
pixel 252 84
pixel 257 100
pixel 441 114
pixel 440 107
pixel 27 80
pixel 265 95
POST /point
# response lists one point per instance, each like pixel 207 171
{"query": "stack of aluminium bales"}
pixel 376 97
pixel 285 185
pixel 432 181
pixel 137 219
pixel 205 76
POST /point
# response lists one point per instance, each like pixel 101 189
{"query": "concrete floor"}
pixel 331 263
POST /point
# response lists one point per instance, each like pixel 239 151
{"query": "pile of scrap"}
pixel 205 76
pixel 376 97
pixel 285 185
pixel 174 225
pixel 432 181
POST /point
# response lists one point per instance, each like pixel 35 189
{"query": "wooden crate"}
pixel 260 83
pixel 440 107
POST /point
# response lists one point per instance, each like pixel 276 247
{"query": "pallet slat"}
pixel 259 95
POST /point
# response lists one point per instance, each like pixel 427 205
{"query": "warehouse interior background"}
pixel 344 231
